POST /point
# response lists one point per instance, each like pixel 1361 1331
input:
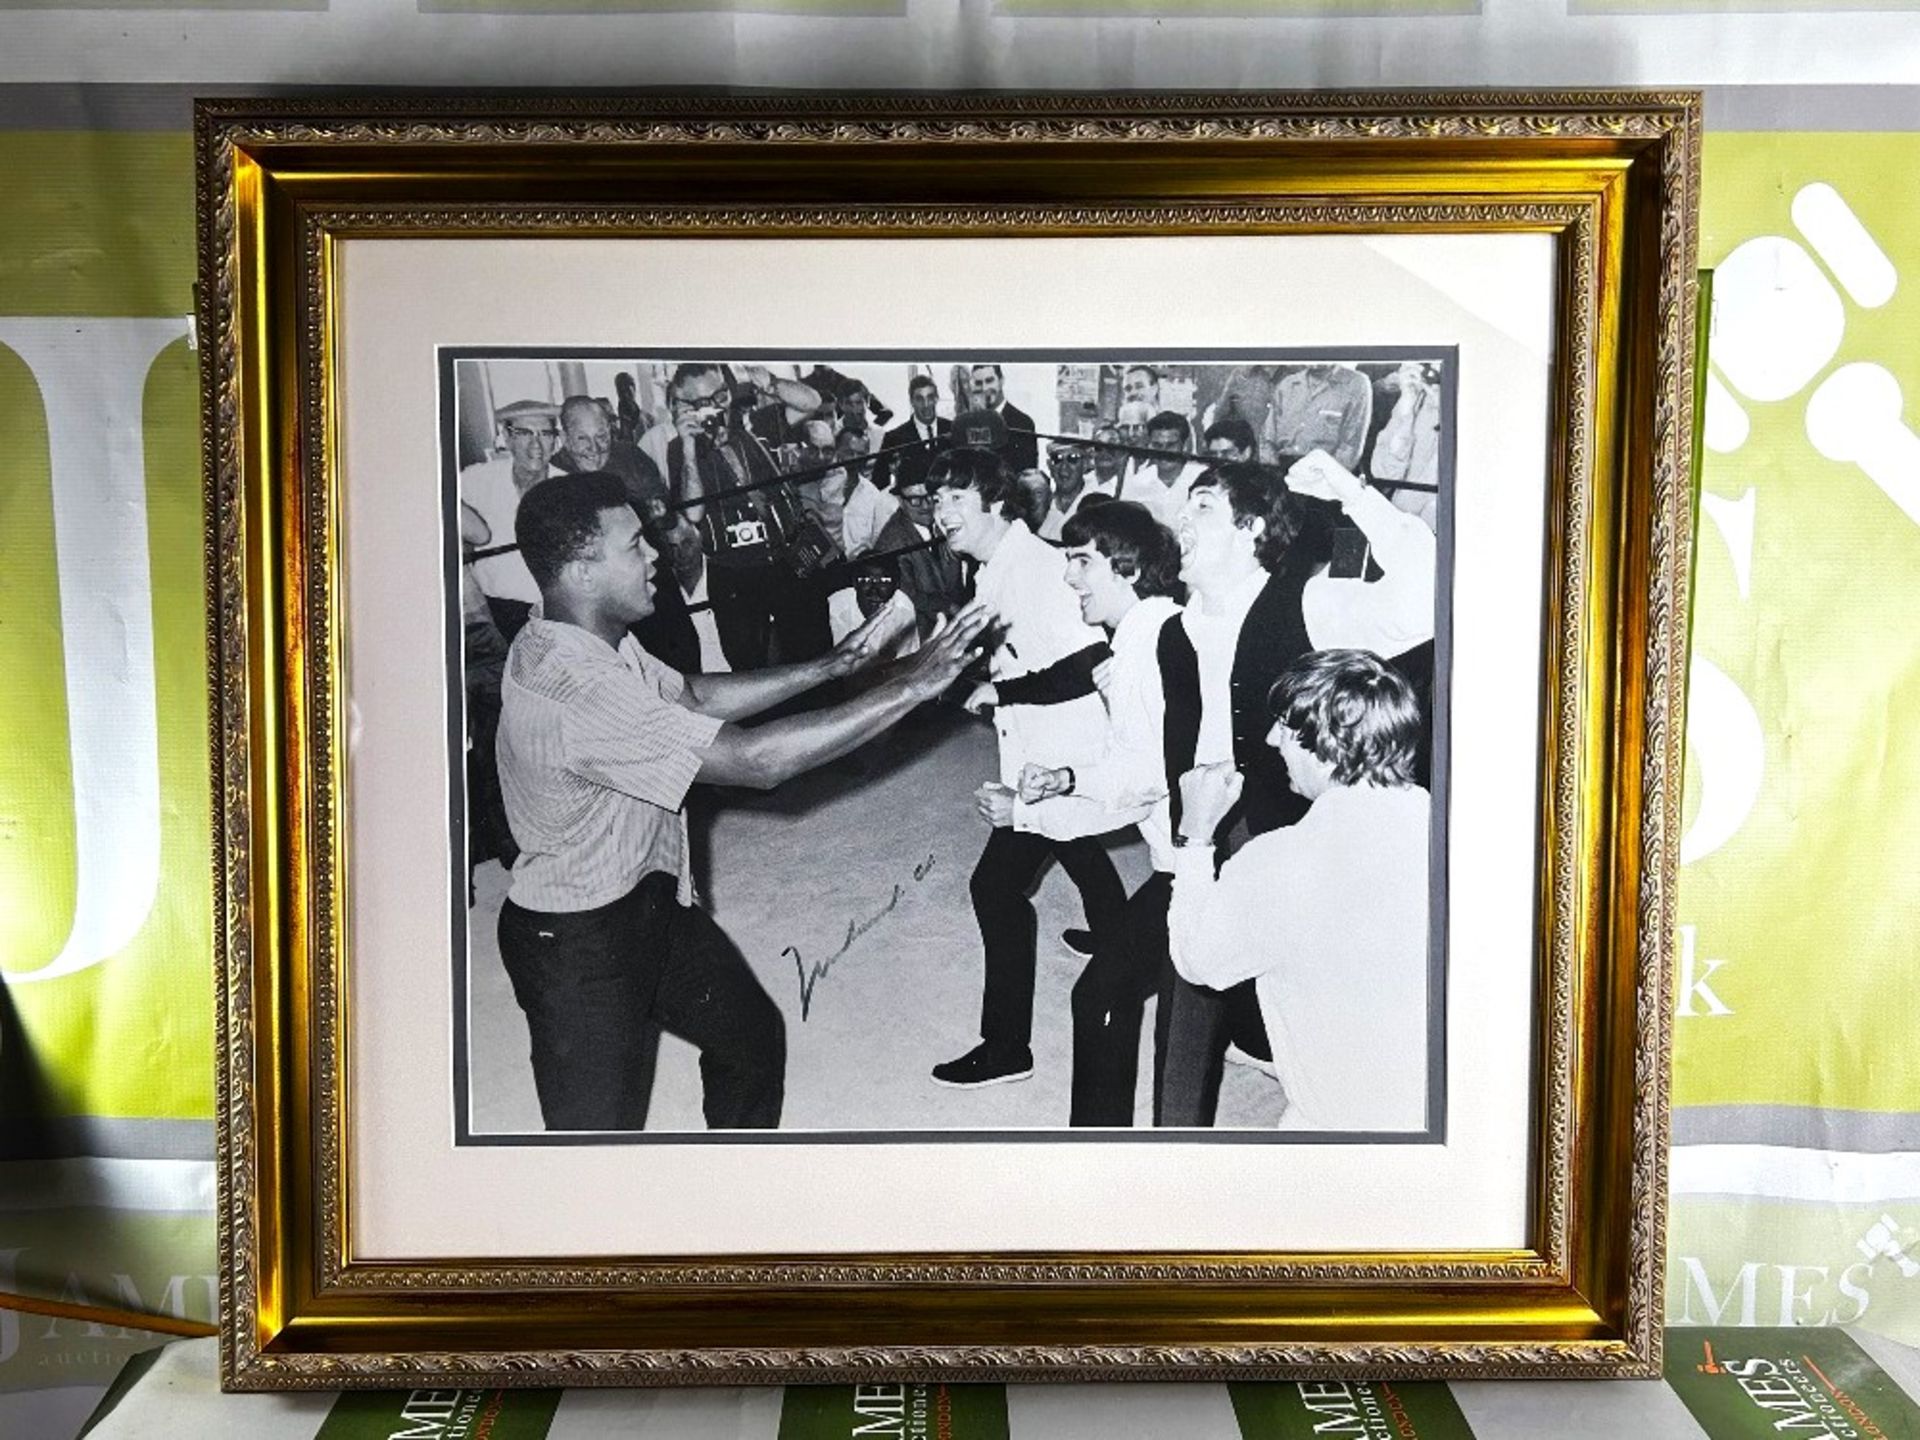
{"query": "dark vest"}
pixel 1273 636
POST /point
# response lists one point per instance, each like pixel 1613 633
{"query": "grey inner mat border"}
pixel 72 106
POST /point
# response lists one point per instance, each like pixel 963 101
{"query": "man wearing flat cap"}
pixel 530 431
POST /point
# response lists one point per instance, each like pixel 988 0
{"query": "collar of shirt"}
pixel 1233 610
pixel 565 636
pixel 1008 558
pixel 1140 626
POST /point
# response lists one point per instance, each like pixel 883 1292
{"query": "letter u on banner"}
pixel 92 376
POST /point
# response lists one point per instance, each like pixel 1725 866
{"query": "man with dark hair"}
pixel 915 442
pixel 1329 917
pixel 1161 483
pixel 1140 385
pixel 598 744
pixel 1232 439
pixel 1022 448
pixel 856 432
pixel 918 560
pixel 1045 708
pixel 1241 627
pixel 1125 567
pixel 588 443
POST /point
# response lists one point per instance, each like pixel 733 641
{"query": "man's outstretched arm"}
pixel 748 693
pixel 761 756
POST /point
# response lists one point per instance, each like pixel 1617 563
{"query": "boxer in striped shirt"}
pixel 598 745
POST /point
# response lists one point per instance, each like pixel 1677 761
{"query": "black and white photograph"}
pixel 886 745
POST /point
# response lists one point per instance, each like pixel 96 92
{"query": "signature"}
pixel 812 975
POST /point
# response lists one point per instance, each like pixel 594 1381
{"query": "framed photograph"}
pixel 1002 738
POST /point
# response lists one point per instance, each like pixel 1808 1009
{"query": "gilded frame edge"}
pixel 249 908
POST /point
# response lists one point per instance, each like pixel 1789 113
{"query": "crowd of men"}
pixel 1228 646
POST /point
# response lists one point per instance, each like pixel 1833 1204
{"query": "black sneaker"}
pixel 984 1065
pixel 1080 942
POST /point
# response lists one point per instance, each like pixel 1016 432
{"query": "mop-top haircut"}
pixel 559 520
pixel 969 467
pixel 1354 711
pixel 1137 546
pixel 1258 492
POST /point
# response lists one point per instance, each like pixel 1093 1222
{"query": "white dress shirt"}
pixel 1329 917
pixel 490 489
pixel 713 655
pixel 1216 638
pixel 1025 586
pixel 1388 616
pixel 1128 778
pixel 1057 518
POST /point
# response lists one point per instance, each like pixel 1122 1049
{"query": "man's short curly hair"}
pixel 1257 492
pixel 1138 546
pixel 559 520
pixel 970 467
pixel 1354 711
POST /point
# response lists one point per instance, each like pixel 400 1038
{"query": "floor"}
pixel 861 868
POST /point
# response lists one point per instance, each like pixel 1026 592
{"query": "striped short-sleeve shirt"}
pixel 596 756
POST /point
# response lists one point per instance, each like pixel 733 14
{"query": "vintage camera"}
pixel 751 531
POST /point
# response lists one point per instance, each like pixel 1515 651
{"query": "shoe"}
pixel 984 1065
pixel 1080 942
pixel 1237 1056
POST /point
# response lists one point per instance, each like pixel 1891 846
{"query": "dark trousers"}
pixel 1002 888
pixel 1191 1032
pixel 1109 1003
pixel 598 987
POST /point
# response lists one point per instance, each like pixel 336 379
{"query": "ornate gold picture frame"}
pixel 320 217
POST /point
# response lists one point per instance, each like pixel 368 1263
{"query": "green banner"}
pixel 441 1415
pixel 1812 1384
pixel 1350 1410
pixel 894 1412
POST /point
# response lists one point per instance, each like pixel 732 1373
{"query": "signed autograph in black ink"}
pixel 811 975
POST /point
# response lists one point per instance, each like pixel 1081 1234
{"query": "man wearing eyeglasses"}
pixel 728 484
pixel 530 431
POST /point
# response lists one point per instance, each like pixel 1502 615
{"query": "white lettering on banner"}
pixel 1883 1240
pixel 92 375
pixel 1729 754
pixel 1693 982
pixel 1744 1285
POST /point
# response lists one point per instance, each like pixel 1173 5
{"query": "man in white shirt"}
pixel 1068 486
pixel 1162 482
pixel 1046 708
pixel 1125 567
pixel 529 431
pixel 1329 917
